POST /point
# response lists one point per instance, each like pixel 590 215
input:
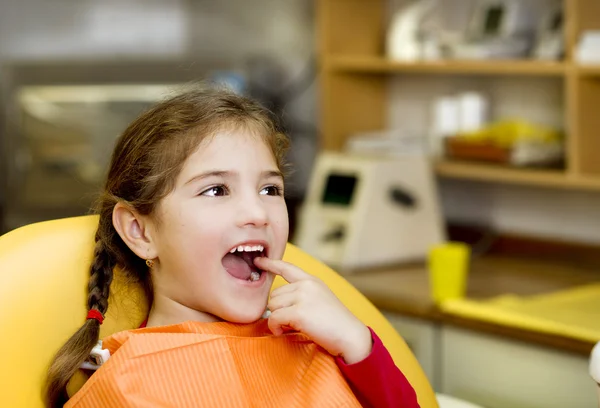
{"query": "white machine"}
pixel 403 43
pixel 498 29
pixel 550 36
pixel 368 210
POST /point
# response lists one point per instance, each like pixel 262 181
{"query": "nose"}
pixel 252 212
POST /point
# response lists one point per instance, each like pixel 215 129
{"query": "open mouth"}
pixel 239 262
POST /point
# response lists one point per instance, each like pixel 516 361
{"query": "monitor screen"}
pixel 339 189
pixel 493 20
pixel 557 21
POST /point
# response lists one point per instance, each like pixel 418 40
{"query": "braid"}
pixel 101 276
pixel 77 349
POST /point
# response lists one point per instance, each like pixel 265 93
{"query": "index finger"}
pixel 287 271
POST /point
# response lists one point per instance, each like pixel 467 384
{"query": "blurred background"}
pixel 57 139
pixel 446 154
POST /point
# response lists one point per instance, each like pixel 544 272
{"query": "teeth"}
pixel 254 276
pixel 248 248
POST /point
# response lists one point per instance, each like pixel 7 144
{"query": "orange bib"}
pixel 224 365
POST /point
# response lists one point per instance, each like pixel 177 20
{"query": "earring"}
pixel 149 263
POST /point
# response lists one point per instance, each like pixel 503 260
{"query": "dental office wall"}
pixel 223 33
pixel 230 30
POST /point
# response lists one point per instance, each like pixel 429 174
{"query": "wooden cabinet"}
pixel 355 82
pixel 495 371
pixel 422 337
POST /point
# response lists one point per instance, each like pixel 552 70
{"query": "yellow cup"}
pixel 448 269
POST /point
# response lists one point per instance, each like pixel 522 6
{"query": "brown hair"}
pixel 146 160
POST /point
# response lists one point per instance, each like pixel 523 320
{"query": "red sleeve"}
pixel 376 381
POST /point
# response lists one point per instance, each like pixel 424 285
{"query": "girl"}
pixel 193 209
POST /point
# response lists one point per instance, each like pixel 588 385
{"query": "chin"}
pixel 246 313
pixel 248 309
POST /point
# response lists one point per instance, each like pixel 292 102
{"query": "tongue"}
pixel 237 266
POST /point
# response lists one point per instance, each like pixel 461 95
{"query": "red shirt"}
pixel 377 382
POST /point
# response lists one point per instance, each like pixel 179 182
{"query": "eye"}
pixel 215 191
pixel 271 190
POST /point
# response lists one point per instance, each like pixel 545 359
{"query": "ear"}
pixel 135 230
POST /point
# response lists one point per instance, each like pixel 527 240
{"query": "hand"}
pixel 308 306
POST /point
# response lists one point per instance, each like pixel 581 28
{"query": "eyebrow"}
pixel 230 174
pixel 272 174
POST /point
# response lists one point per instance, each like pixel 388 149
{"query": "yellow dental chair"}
pixel 44 270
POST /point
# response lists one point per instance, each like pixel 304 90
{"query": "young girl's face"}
pixel 229 195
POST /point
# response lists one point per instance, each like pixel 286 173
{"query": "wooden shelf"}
pixel 355 89
pixel 589 70
pixel 517 176
pixel 375 65
pixel 404 289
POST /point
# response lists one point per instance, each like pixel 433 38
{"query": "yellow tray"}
pixel 573 313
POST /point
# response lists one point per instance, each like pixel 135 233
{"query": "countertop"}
pixel 405 290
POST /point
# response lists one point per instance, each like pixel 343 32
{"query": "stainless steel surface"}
pixel 59 125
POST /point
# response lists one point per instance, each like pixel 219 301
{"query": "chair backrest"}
pixel 44 269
